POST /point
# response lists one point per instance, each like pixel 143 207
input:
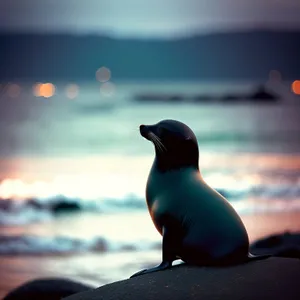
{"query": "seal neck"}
pixel 170 164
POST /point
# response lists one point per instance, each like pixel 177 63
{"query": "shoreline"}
pixel 103 268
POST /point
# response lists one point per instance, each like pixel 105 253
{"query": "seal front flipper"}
pixel 258 257
pixel 169 248
pixel 164 265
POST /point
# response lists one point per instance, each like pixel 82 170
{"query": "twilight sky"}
pixel 146 18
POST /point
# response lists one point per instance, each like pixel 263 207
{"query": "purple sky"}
pixel 146 18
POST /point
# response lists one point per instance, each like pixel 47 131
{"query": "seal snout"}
pixel 144 130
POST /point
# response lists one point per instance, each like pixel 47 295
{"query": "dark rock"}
pixel 156 97
pixel 283 245
pixel 60 207
pixel 204 99
pixel 56 205
pixel 47 289
pixel 273 278
pixel 232 98
pixel 262 95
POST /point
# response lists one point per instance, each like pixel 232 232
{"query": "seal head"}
pixel 175 144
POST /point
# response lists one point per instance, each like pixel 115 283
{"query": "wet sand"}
pixel 95 268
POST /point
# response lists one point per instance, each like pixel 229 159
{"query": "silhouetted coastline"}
pixel 258 95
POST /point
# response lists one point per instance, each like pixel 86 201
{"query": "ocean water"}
pixel 88 152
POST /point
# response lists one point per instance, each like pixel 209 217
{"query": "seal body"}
pixel 207 230
pixel 198 225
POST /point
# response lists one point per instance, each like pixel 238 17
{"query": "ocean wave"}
pixel 38 245
pixel 24 215
pixel 26 211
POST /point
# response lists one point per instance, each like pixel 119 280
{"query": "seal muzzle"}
pixel 144 130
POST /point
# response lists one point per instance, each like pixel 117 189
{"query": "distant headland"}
pixel 243 55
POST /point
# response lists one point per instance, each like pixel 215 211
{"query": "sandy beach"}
pixel 94 268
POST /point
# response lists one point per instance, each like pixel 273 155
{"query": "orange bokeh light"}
pixel 296 87
pixel 46 90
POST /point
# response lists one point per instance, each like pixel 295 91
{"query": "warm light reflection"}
pixel 82 181
pixel 13 90
pixel 296 87
pixel 77 186
pixel 88 178
pixel 107 89
pixel 103 74
pixel 96 178
pixel 72 91
pixel 46 90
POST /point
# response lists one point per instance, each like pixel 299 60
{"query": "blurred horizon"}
pixel 136 19
pixel 138 40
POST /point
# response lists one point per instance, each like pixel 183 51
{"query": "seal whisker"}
pixel 157 144
pixel 157 141
pixel 162 146
pixel 153 140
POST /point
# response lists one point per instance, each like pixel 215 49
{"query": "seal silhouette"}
pixel 197 224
